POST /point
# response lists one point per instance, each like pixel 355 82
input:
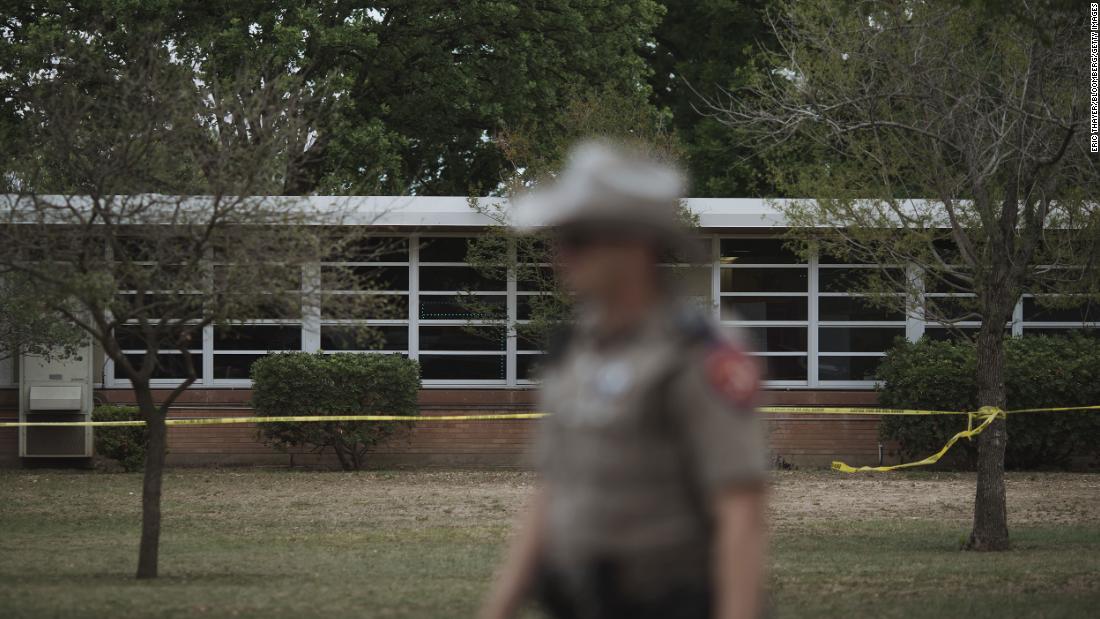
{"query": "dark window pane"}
pixel 234 366
pixel 374 337
pixel 1062 332
pixel 457 278
pixel 156 306
pixel 528 338
pixel 757 251
pixel 365 278
pixel 854 308
pixel 847 368
pixel 169 365
pixel 784 368
pixel 129 338
pixel 858 339
pixel 764 308
pixel 1034 311
pixel 946 283
pixel 763 280
pixel 258 337
pixel 527 366
pixel 776 339
pixel 357 248
pixel 462 367
pixel 443 249
pixel 953 308
pixel 535 279
pixel 454 307
pixel 363 307
pixel 857 280
pixel 461 338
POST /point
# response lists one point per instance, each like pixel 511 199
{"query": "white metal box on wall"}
pixel 56 390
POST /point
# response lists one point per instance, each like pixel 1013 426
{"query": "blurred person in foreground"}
pixel 651 496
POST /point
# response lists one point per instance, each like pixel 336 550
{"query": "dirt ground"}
pixel 460 498
pixel 1033 498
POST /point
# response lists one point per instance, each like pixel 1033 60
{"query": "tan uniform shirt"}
pixel 643 433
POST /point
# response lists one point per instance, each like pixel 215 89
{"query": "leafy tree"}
pixel 405 94
pixel 97 134
pixel 701 45
pixel 28 326
pixel 981 115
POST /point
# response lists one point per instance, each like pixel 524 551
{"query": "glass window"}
pixel 461 338
pixel 258 337
pixel 234 366
pixel 763 280
pixel 365 278
pixel 528 366
pixel 462 367
pixel 169 365
pixel 855 309
pixel 462 307
pixel 458 278
pixel 784 368
pixel 764 308
pixel 1036 311
pixel 775 339
pixel 756 251
pixel 443 249
pixel 363 307
pixel 855 280
pixel 364 337
pixel 858 339
pixel 847 368
pixel 369 249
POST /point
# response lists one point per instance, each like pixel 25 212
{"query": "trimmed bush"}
pixel 1040 371
pixel 292 384
pixel 125 444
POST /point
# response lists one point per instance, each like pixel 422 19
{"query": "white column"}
pixel 414 296
pixel 311 307
pixel 811 321
pixel 510 344
pixel 914 305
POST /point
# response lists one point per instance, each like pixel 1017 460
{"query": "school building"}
pixel 819 342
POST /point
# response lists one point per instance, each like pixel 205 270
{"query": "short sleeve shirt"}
pixel 643 434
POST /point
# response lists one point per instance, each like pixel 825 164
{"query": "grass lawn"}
pixel 277 543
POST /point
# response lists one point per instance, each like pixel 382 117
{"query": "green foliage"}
pixel 29 325
pixel 405 93
pixel 125 444
pixel 1040 371
pixel 294 384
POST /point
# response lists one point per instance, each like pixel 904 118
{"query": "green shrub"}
pixel 125 444
pixel 1040 371
pixel 292 384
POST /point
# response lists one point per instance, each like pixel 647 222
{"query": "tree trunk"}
pixel 990 530
pixel 156 448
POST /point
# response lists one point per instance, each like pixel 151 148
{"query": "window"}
pixel 461 318
pixel 854 329
pixel 365 292
pixel 764 293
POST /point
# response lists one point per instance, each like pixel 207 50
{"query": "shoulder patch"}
pixel 733 374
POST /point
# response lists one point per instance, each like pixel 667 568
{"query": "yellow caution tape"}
pixel 213 421
pixel 988 414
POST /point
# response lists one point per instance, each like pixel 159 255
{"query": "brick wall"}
pixel 801 440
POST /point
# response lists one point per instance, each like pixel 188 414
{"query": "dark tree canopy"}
pixel 413 90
